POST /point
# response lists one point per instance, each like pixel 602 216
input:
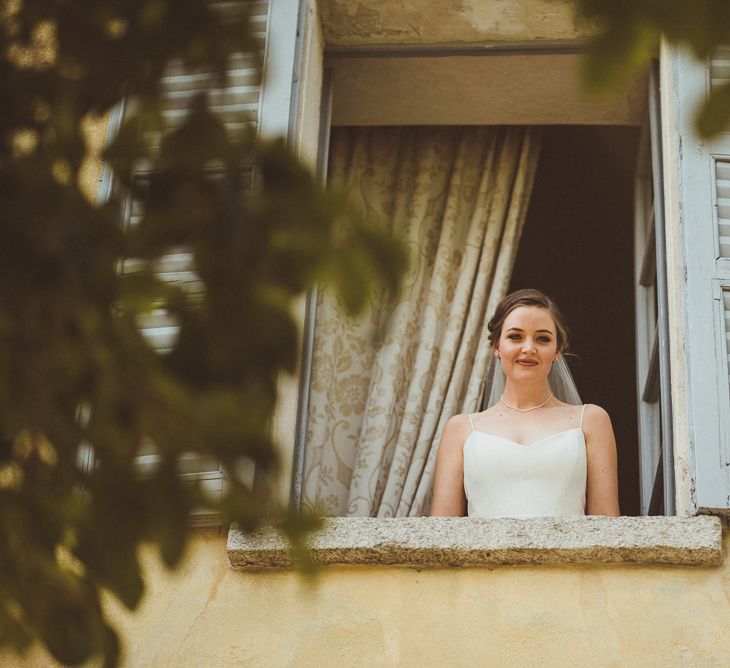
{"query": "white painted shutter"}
pixel 237 103
pixel 704 217
pixel 275 108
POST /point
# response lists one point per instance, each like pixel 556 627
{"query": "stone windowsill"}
pixel 460 541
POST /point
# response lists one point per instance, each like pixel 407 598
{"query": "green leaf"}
pixel 69 624
pixel 171 509
pixel 141 291
pixel 298 526
pixel 616 55
pixel 713 116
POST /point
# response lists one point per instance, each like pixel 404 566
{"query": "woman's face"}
pixel 528 343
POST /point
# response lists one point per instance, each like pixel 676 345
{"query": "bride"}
pixel 529 454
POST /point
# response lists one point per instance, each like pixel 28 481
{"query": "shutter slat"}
pixel 221 101
pixel 191 465
pixel 720 67
pixel 162 339
pixel 722 206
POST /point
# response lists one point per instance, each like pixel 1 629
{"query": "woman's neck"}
pixel 526 396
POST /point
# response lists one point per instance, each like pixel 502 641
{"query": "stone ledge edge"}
pixel 435 542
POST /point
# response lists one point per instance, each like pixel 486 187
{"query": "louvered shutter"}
pixel 704 199
pixel 236 104
pixel 656 451
pixel 646 330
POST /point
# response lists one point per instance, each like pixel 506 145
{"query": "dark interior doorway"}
pixel 577 246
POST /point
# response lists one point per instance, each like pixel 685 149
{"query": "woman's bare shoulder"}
pixel 456 430
pixel 457 423
pixel 596 415
pixel 597 424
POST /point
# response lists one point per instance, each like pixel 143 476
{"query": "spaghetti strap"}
pixel 582 413
pixel 471 422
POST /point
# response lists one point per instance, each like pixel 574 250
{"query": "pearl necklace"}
pixel 526 410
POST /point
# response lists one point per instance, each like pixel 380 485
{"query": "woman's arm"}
pixel 448 486
pixel 602 484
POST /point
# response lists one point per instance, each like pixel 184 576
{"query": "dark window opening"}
pixel 577 246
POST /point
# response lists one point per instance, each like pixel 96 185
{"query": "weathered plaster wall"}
pixel 359 22
pixel 208 615
pixel 490 89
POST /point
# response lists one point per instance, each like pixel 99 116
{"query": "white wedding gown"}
pixel 543 479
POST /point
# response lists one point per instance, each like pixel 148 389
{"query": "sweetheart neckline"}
pixel 525 445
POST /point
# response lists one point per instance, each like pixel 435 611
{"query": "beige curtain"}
pixel 383 386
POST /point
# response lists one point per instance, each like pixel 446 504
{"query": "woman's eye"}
pixel 544 339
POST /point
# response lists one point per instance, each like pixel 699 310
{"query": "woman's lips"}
pixel 527 362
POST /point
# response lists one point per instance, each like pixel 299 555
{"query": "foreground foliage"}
pixel 76 376
pixel 628 36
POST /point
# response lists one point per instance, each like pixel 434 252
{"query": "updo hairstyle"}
pixel 527 297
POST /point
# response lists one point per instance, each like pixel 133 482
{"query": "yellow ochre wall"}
pixel 206 614
pixel 209 615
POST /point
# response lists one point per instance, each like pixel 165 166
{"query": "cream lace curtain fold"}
pixel 383 386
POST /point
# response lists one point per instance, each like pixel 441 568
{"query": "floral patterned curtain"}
pixel 384 385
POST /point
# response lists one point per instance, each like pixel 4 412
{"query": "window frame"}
pixel 327 94
pixel 694 478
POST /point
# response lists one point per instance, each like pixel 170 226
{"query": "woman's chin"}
pixel 531 373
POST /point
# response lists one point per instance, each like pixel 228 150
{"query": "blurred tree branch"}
pixel 75 368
